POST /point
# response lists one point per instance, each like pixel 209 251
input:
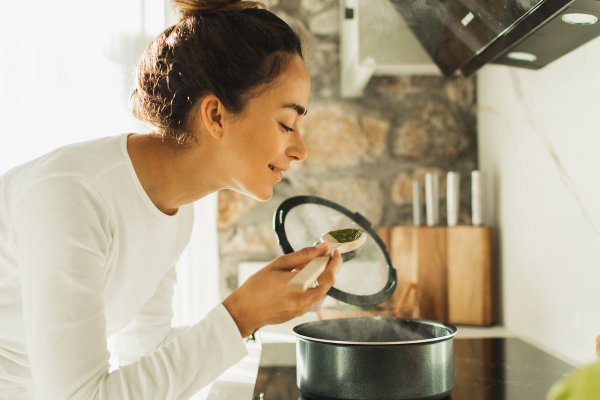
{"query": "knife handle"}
pixel 476 197
pixel 416 202
pixel 452 197
pixel 432 198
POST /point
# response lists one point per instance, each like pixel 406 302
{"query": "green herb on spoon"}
pixel 346 235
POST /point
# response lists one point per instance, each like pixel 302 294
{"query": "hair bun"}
pixel 187 8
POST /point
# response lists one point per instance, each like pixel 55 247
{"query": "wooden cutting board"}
pixel 470 275
pixel 400 242
pixel 419 256
pixel 432 269
pixel 451 267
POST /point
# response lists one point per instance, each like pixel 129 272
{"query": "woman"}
pixel 90 233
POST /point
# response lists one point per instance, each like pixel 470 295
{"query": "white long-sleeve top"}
pixel 84 255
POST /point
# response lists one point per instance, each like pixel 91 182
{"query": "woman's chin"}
pixel 265 196
pixel 260 193
pixel 262 196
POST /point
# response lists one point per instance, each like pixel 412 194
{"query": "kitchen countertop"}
pixel 238 382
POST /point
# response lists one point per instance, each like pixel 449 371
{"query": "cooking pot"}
pixel 362 358
pixel 375 358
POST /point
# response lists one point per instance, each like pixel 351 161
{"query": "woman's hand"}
pixel 265 298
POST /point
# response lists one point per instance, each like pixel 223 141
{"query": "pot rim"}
pixel 451 333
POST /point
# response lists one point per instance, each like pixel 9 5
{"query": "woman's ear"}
pixel 212 114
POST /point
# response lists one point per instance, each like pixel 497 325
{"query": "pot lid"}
pixel 367 277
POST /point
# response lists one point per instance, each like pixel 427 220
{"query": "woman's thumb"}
pixel 300 258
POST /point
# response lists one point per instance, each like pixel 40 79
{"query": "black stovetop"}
pixel 484 369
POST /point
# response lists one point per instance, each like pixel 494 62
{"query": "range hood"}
pixel 375 40
pixel 466 34
pixel 387 37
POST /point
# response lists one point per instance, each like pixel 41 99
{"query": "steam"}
pixel 372 330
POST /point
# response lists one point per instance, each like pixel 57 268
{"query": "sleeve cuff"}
pixel 229 331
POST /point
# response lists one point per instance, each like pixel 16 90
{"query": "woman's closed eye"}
pixel 285 127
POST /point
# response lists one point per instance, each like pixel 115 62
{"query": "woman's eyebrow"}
pixel 296 107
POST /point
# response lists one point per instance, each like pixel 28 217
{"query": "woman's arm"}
pixel 62 235
pixel 151 326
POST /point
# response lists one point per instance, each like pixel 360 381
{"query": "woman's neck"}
pixel 171 174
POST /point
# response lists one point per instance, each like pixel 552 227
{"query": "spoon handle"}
pixel 308 274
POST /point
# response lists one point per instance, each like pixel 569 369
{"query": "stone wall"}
pixel 364 152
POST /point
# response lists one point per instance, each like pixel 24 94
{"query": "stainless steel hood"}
pixel 464 35
pixel 375 40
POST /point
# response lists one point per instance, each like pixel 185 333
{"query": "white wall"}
pixel 66 71
pixel 66 74
pixel 539 143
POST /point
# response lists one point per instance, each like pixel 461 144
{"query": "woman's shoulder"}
pixel 66 170
pixel 85 159
pixel 91 157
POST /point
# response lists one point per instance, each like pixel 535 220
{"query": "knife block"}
pixel 450 265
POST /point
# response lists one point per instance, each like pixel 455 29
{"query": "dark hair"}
pixel 228 48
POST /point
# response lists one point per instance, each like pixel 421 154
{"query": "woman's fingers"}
pixel 265 299
pixel 298 259
pixel 327 278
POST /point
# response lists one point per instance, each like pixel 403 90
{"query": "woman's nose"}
pixel 297 149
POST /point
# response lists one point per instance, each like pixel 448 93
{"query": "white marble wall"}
pixel 539 142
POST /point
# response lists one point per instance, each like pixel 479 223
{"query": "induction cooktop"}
pixel 484 369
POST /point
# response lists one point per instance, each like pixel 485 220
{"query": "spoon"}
pixel 344 240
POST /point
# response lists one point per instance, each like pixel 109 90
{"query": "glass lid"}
pixel 367 277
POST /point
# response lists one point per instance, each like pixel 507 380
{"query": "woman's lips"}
pixel 277 171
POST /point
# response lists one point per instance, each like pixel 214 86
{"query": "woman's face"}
pixel 265 138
